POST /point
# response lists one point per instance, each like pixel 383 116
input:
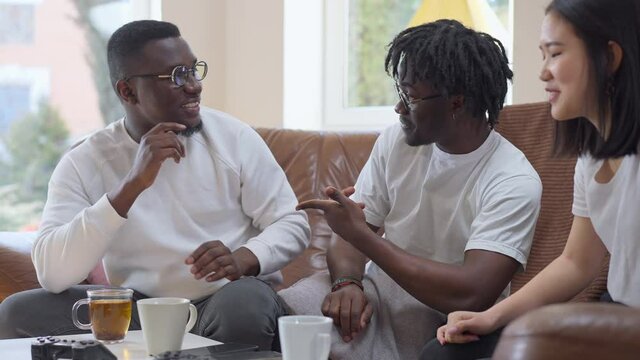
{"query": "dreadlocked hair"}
pixel 455 60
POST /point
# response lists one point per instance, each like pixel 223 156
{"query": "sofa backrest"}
pixel 530 127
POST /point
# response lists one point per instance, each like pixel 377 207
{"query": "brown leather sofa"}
pixel 313 160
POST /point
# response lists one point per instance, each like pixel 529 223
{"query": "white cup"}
pixel 164 322
pixel 305 337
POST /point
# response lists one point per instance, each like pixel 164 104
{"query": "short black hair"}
pixel 128 41
pixel 596 22
pixel 456 60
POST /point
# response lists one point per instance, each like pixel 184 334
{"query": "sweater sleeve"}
pixel 75 233
pixel 267 198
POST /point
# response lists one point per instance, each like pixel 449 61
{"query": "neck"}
pixel 467 136
pixel 133 129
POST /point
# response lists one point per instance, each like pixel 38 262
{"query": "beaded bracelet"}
pixel 344 281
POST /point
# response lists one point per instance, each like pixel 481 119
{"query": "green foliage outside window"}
pixel 33 146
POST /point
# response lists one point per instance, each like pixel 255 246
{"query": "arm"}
pixel 75 232
pixel 505 224
pixel 560 281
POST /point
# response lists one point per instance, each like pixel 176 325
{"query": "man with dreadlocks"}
pixel 458 204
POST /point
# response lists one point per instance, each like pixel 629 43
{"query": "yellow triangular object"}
pixel 432 10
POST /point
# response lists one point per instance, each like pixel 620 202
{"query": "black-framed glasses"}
pixel 180 74
pixel 407 103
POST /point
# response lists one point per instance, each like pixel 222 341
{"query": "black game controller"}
pixel 51 348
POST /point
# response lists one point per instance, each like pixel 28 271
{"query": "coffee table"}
pixel 133 347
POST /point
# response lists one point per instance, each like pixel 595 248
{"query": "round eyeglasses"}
pixel 407 103
pixel 180 74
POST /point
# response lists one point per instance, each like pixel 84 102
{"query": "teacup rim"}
pixel 170 300
pixel 319 319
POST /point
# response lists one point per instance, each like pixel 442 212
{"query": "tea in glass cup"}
pixel 109 314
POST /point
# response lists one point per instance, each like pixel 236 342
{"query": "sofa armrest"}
pixel 573 331
pixel 16 269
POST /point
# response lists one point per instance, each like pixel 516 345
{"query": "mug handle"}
pixel 322 346
pixel 74 315
pixel 193 316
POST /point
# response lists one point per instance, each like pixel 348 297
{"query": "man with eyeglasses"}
pixel 174 199
pixel 457 204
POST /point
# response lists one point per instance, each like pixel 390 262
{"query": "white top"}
pixel 438 205
pixel 613 209
pixel 228 188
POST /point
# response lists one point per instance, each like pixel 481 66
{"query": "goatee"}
pixel 191 130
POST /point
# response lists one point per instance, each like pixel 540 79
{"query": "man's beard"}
pixel 191 130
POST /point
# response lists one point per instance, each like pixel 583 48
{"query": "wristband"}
pixel 344 281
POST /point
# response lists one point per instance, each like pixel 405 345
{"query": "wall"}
pixel 242 41
pixel 527 59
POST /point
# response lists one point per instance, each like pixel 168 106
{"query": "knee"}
pixel 248 303
pixel 13 312
pixel 245 310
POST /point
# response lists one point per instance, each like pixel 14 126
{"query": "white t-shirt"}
pixel 438 205
pixel 228 188
pixel 613 209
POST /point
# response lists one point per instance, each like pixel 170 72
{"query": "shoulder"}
pixel 508 169
pixel 101 145
pixel 224 128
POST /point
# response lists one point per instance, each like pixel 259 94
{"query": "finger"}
pixel 323 205
pixel 166 126
pixel 366 315
pixel 348 191
pixel 440 334
pixel 212 261
pixel 201 250
pixel 334 312
pixel 356 313
pixel 166 140
pixel 325 305
pixel 460 339
pixel 336 195
pixel 232 272
pixel 345 318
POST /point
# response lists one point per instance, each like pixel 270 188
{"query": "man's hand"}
pixel 157 145
pixel 465 326
pixel 350 310
pixel 344 216
pixel 160 143
pixel 215 261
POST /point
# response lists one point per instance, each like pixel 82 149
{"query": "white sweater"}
pixel 228 188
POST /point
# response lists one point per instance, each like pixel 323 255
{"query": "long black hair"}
pixel 596 22
pixel 455 60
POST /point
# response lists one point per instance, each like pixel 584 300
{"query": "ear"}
pixel 615 55
pixel 457 103
pixel 126 92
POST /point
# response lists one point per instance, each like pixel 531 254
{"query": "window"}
pixel 357 91
pixel 54 89
pixel 17 23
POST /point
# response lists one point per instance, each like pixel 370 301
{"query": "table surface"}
pixel 132 348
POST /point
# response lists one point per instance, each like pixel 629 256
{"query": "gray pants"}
pixel 245 311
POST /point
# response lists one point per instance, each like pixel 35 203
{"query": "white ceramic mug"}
pixel 164 322
pixel 305 337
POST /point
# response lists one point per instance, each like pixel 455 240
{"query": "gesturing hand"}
pixel 350 310
pixel 215 261
pixel 157 145
pixel 344 216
